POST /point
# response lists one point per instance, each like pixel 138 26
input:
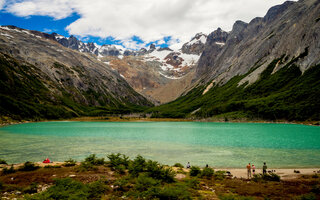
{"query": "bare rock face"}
pixel 215 43
pixel 196 45
pixel 286 30
pixel 174 59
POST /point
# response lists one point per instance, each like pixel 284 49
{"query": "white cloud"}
pixel 150 20
pixel 2 4
pixel 130 44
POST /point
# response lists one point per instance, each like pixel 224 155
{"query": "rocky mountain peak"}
pixel 217 37
pixel 275 11
pixel 238 27
pixel 196 44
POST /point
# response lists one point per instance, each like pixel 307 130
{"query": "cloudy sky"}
pixel 132 23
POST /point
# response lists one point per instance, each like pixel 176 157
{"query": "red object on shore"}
pixel 46 160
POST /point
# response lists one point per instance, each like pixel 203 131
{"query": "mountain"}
pixel 153 71
pixel 266 69
pixel 42 79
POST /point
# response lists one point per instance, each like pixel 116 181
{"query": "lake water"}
pixel 217 144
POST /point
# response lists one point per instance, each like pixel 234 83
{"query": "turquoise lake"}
pixel 217 144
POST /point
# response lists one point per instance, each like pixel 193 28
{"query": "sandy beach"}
pixel 285 174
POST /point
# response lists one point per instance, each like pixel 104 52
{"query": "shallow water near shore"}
pixel 217 144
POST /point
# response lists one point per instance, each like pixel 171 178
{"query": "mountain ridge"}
pixel 80 83
pixel 264 69
pixel 267 69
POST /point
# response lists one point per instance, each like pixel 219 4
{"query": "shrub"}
pixel 122 184
pixel 195 171
pixel 92 159
pixel 207 172
pixel 52 166
pixel 158 171
pixel 219 175
pixel 86 166
pixel 309 196
pixel 234 197
pixel 28 166
pixel 121 169
pixel 63 189
pixel 3 162
pixel 8 171
pixel 315 189
pixel 174 192
pixel 137 165
pixel 193 183
pixel 118 159
pixel 144 182
pixel 178 165
pixel 69 163
pixel 69 189
pixel 96 189
pixel 31 189
pixel 266 177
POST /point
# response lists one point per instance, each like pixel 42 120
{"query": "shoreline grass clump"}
pixel 178 165
pixel 3 162
pixel 28 166
pixel 90 163
pixel 266 177
pixel 195 171
pixel 10 170
pixel 118 162
pixel 69 163
pixel 207 173
pixel 70 189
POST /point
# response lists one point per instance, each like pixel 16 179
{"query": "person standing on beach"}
pixel 188 165
pixel 249 170
pixel 253 169
pixel 264 168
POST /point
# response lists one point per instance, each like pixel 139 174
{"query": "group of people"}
pixel 249 168
pixel 47 160
pixel 253 168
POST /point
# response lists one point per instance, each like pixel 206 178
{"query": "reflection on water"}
pixel 216 144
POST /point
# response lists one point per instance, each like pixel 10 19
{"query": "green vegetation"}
pixel 29 94
pixel 3 161
pixel 52 166
pixel 195 171
pixel 118 162
pixel 28 166
pixel 147 179
pixel 92 159
pixel 11 170
pixel 178 165
pixel 284 95
pixel 266 177
pixel 70 189
pixel 69 163
pixel 207 172
pixel 235 197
